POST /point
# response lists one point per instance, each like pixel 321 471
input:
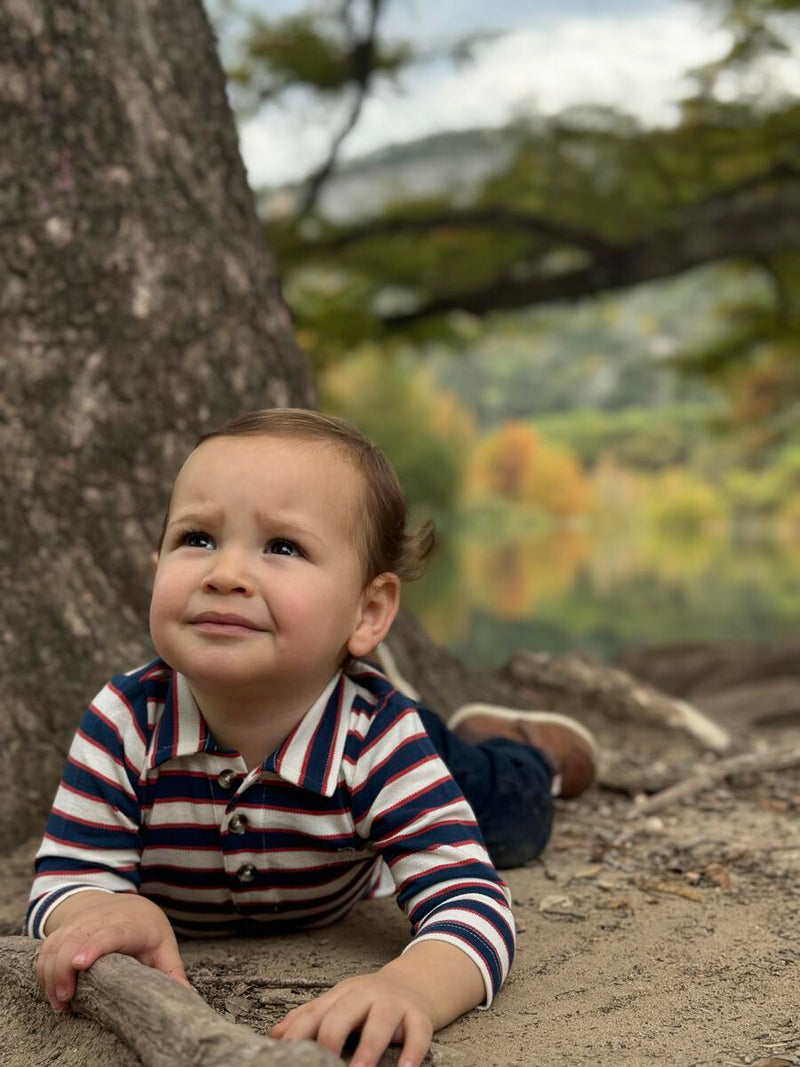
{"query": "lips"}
pixel 224 622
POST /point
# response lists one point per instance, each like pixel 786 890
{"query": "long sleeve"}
pixel 407 805
pixel 92 837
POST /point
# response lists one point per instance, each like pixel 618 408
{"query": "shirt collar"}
pixel 180 729
pixel 310 757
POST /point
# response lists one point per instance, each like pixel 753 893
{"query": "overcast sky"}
pixel 629 53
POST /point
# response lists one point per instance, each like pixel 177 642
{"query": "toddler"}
pixel 263 775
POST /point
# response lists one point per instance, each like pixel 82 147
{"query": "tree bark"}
pixel 166 1024
pixel 138 307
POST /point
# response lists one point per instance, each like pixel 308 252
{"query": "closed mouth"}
pixel 224 622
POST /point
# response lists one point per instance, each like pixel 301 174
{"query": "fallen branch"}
pixel 615 693
pixel 773 759
pixel 166 1024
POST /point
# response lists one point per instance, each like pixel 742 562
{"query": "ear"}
pixel 379 605
pixel 154 562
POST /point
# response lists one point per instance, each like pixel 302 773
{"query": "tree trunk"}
pixel 138 307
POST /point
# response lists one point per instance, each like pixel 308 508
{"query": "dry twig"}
pixel 707 775
pixel 675 889
pixel 166 1024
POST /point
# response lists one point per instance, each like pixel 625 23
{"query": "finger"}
pixel 42 966
pixel 302 1023
pixel 113 937
pixel 349 1013
pixel 376 1034
pixel 280 1028
pixel 418 1034
pixel 45 964
pixel 167 959
pixel 60 975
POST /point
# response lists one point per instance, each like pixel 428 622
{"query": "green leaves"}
pixel 315 51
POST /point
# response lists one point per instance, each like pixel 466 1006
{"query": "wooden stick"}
pixel 773 759
pixel 166 1024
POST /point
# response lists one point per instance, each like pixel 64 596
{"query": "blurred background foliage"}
pixel 577 337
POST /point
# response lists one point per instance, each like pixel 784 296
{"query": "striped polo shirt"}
pixel 355 802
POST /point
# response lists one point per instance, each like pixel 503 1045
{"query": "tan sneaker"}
pixel 568 745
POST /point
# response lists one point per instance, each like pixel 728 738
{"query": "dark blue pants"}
pixel 507 784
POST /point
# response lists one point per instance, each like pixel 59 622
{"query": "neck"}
pixel 252 724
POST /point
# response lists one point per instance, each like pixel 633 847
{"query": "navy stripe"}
pixel 80 779
pixel 466 870
pixel 218 879
pixel 484 948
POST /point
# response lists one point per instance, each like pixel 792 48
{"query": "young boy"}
pixel 259 775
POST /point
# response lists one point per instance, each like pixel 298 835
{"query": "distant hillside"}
pixel 457 160
pixel 612 353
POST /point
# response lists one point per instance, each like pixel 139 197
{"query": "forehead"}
pixel 288 469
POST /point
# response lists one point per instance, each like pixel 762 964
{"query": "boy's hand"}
pixel 90 924
pixel 382 1007
pixel 427 987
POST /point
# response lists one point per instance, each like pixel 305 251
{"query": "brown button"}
pixel 238 824
pixel 226 778
pixel 246 873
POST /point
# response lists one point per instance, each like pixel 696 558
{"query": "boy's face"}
pixel 259 586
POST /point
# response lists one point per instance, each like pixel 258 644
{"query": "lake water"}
pixel 605 591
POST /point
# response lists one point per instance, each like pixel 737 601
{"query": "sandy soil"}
pixel 670 939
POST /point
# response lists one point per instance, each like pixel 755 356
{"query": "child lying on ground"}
pixel 261 775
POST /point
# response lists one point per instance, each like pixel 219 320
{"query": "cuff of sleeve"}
pixel 41 910
pixel 468 950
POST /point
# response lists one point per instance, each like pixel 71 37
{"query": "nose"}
pixel 228 573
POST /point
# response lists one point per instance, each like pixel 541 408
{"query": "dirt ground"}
pixel 671 938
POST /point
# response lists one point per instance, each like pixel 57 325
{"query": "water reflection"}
pixel 605 589
pixel 510 578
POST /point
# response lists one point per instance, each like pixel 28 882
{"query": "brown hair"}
pixel 383 542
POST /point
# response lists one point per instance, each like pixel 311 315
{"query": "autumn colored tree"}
pixel 516 464
pixel 426 432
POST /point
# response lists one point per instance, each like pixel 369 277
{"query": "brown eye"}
pixel 197 539
pixel 279 546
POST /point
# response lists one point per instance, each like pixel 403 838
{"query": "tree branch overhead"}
pixel 713 233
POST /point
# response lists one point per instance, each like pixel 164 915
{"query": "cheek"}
pixel 167 599
pixel 292 603
pixel 306 602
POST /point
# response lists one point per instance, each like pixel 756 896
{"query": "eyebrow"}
pixel 195 516
pixel 286 525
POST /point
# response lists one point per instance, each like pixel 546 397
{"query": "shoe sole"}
pixel 468 711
